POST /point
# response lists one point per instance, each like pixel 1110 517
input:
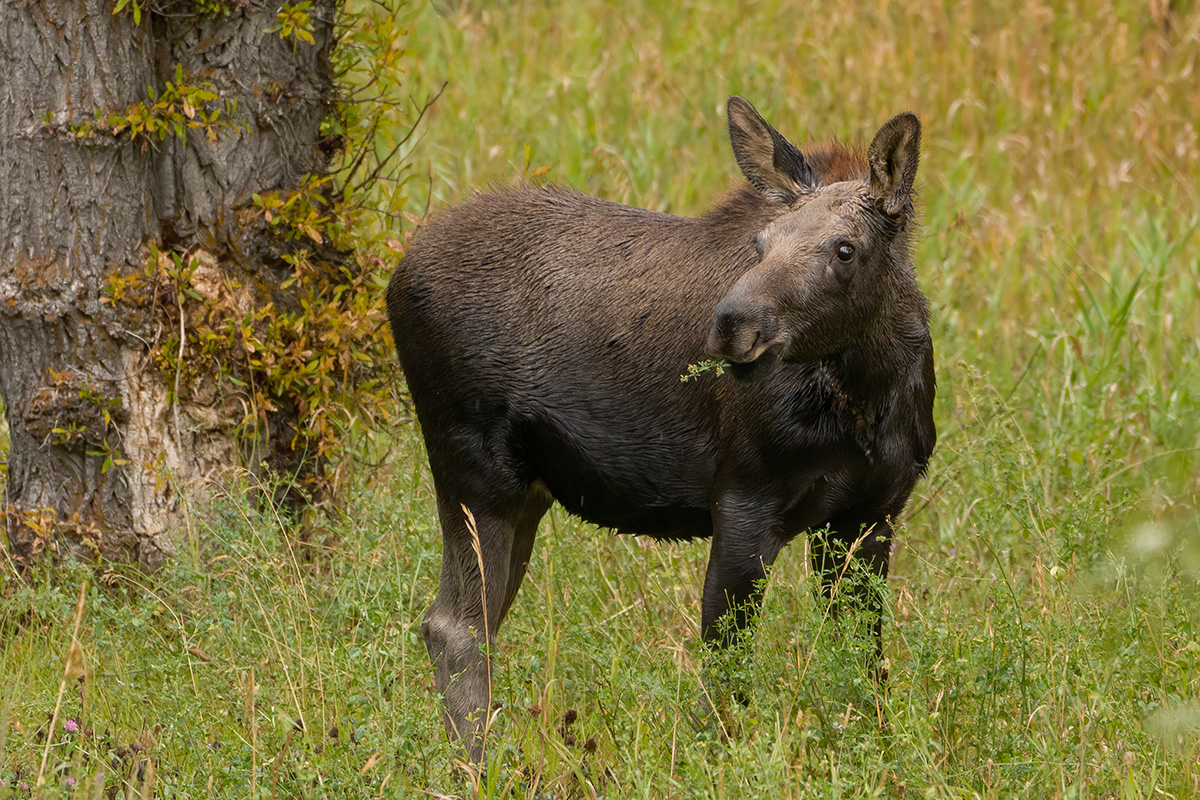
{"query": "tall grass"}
pixel 1043 628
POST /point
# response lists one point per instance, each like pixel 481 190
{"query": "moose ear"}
pixel 893 158
pixel 773 165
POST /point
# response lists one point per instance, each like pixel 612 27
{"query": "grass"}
pixel 1043 628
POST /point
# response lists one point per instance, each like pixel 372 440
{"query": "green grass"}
pixel 1044 623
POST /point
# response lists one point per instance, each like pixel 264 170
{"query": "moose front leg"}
pixel 733 593
pixel 850 559
pixel 733 590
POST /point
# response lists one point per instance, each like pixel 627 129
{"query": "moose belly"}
pixel 630 478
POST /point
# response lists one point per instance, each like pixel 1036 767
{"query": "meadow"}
pixel 1043 624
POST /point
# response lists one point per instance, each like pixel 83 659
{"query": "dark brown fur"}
pixel 544 332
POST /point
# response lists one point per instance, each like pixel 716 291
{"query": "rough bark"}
pixel 101 451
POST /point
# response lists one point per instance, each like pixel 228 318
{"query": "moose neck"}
pixel 884 356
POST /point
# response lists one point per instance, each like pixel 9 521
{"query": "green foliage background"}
pixel 1042 635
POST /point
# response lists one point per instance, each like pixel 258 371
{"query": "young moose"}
pixel 543 334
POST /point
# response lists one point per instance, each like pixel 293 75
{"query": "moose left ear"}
pixel 893 158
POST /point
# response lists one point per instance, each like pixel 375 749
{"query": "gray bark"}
pixel 76 373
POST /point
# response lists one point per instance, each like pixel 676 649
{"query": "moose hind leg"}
pixel 476 588
pixel 536 503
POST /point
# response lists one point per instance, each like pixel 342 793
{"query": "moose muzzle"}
pixel 743 329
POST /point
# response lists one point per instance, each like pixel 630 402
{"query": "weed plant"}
pixel 1042 611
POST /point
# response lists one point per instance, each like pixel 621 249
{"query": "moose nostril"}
pixel 731 323
pixel 728 321
pixel 739 331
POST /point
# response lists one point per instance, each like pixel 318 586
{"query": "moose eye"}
pixel 845 252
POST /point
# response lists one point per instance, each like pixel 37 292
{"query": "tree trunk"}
pixel 105 438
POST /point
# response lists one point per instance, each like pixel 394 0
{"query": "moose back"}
pixel 543 334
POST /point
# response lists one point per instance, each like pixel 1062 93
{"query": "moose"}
pixel 543 334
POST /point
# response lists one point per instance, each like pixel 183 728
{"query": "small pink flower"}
pixel 70 781
pixel 71 726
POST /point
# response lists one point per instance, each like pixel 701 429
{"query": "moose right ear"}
pixel 773 165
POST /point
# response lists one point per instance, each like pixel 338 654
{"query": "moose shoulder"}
pixel 543 334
